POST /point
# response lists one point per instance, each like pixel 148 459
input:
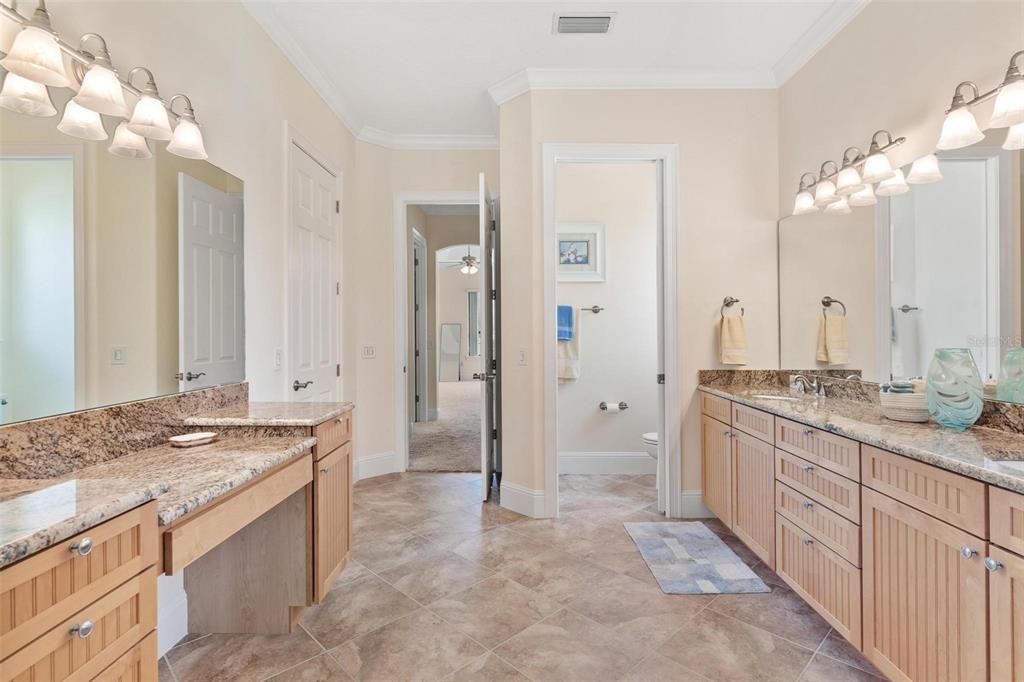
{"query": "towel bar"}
pixel 593 309
pixel 729 302
pixel 827 303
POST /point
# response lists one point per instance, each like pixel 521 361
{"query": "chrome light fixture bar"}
pixel 35 62
pixel 960 127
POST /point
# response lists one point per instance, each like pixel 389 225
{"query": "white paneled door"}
pixel 211 304
pixel 488 376
pixel 314 281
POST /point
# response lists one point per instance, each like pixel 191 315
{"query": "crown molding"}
pixel 817 36
pixel 428 141
pixel 626 79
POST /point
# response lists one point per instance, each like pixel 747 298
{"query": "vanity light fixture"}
pixel 101 90
pixel 925 171
pixel 187 140
pixel 149 118
pixel 804 203
pixel 849 181
pixel 35 54
pixel 1009 106
pixel 865 197
pixel 24 96
pixel 1014 138
pixel 960 128
pixel 897 184
pixel 825 190
pixel 840 207
pixel 877 167
pixel 128 144
pixel 81 122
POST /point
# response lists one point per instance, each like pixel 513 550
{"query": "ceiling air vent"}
pixel 584 23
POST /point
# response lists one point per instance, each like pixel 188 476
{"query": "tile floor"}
pixel 443 588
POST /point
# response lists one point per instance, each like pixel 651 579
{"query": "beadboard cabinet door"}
pixel 925 597
pixel 716 468
pixel 1006 614
pixel 332 492
pixel 753 474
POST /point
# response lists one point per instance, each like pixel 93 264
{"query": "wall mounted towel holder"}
pixel 729 302
pixel 621 405
pixel 827 303
pixel 593 309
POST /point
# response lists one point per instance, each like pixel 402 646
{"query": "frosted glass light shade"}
pixel 187 141
pixel 1009 107
pixel 1014 138
pixel 804 203
pixel 149 119
pixel 925 171
pixel 876 168
pixel 81 122
pixel 101 92
pixel 24 96
pixel 840 207
pixel 897 184
pixel 128 144
pixel 960 129
pixel 36 56
pixel 865 197
pixel 848 181
pixel 825 193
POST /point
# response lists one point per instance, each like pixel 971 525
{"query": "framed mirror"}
pixel 120 279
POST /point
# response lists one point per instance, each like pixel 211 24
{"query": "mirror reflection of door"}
pixel 450 352
pixel 38 362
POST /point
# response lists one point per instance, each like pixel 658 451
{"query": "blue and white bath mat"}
pixel 687 558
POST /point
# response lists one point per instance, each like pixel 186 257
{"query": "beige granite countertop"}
pixel 988 455
pixel 36 514
pixel 270 414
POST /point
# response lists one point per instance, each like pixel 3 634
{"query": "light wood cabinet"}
pixel 138 665
pixel 1006 517
pixel 1006 614
pixel 836 492
pixel 755 422
pixel 332 494
pixel 332 434
pixel 716 468
pixel 715 407
pixel 824 449
pixel 836 532
pixel 925 599
pixel 753 479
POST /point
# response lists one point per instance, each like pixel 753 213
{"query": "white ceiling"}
pixel 431 74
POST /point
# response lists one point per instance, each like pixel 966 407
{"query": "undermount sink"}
pixel 770 396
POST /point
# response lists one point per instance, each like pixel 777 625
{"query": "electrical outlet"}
pixel 119 355
pixel 278 358
pixel 369 352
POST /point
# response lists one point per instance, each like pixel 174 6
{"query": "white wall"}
pixel 619 346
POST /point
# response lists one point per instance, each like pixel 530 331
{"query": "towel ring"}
pixel 827 303
pixel 729 302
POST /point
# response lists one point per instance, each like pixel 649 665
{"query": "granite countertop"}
pixel 36 514
pixel 270 414
pixel 988 455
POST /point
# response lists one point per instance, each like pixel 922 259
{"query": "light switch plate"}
pixel 278 358
pixel 119 355
pixel 369 352
pixel 522 356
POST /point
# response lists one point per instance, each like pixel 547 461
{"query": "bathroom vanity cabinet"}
pixel 919 567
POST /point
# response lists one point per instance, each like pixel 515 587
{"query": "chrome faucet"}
pixel 803 383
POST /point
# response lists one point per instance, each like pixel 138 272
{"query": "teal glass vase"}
pixel 954 388
pixel 1011 376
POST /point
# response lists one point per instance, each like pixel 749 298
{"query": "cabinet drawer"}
pixel 825 449
pixel 1006 515
pixel 755 422
pixel 39 592
pixel 955 499
pixel 119 620
pixel 139 664
pixel 332 433
pixel 839 494
pixel 716 407
pixel 837 533
pixel 825 580
pixel 332 531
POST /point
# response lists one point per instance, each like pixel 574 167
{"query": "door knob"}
pixel 189 376
pixel 907 308
pixel 299 385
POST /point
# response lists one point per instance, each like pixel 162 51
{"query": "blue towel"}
pixel 565 323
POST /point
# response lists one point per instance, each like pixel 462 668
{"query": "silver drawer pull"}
pixel 808 505
pixel 807 467
pixel 83 629
pixel 323 471
pixel 808 432
pixel 993 565
pixel 968 553
pixel 81 547
pixel 808 541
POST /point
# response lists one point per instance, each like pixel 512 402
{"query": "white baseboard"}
pixel 606 463
pixel 379 464
pixel 691 503
pixel 522 500
pixel 171 611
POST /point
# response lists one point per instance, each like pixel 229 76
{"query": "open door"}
pixel 488 375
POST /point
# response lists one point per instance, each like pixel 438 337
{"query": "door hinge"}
pixel 337 288
pixel 494 434
pixel 337 206
pixel 494 365
pixel 417 398
pixel 661 378
pixel 494 294
pixel 337 370
pixel 417 352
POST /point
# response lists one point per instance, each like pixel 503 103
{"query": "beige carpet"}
pixel 452 442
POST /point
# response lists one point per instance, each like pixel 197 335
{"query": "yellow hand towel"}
pixel 733 340
pixel 837 341
pixel 822 354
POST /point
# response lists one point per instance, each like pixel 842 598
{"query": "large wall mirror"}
pixel 938 266
pixel 120 279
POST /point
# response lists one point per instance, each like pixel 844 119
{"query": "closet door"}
pixel 716 468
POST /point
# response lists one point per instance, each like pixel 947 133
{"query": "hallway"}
pixel 452 442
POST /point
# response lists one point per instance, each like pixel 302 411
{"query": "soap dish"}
pixel 905 407
pixel 191 440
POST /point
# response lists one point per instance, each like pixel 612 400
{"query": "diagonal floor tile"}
pixel 657 668
pixel 494 610
pixel 835 646
pixel 354 608
pixel 568 647
pixel 240 657
pixel 494 548
pixel 323 668
pixel 420 646
pixel 825 669
pixel 781 612
pixel 487 668
pixel 388 550
pixel 434 575
pixel 556 574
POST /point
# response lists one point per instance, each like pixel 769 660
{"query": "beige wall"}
pixel 619 346
pixel 728 189
pixel 452 306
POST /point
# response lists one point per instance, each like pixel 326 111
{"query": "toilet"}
pixel 651 444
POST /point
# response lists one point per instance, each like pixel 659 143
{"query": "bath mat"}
pixel 687 558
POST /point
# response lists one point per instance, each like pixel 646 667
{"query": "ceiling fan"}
pixel 468 264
